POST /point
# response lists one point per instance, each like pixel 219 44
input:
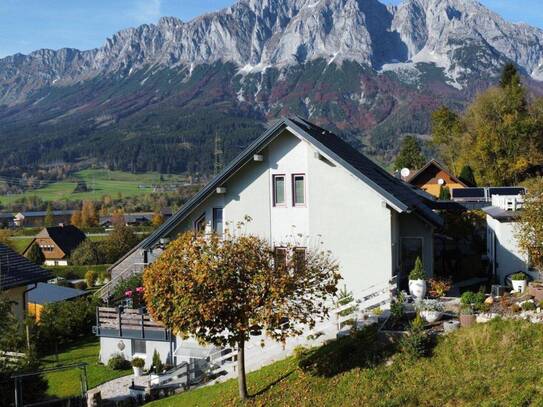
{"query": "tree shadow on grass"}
pixel 270 385
pixel 363 349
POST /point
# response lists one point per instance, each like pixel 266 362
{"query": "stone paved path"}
pixel 117 389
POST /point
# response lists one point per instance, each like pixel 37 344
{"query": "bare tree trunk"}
pixel 242 381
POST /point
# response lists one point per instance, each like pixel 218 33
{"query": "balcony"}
pixel 128 323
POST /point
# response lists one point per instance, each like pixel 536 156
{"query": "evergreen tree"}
pixel 467 176
pixel 509 76
pixel 49 218
pixel 410 155
pixel 444 193
pixel 35 255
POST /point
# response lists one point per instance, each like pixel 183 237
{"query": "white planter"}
pixel 138 371
pixel 519 286
pixel 431 316
pixel 417 288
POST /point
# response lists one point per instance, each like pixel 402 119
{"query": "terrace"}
pixel 127 323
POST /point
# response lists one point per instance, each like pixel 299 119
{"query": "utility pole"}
pixel 218 155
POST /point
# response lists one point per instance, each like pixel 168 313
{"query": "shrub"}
pixel 397 308
pixel 471 298
pixel 80 285
pixel 415 343
pixel 158 366
pixel 528 306
pixel 90 278
pixel 362 349
pixel 118 362
pixel 519 277
pixel 64 322
pixel 418 271
pixel 87 253
pixel 439 288
pixel 137 362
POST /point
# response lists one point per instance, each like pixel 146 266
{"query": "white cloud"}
pixel 146 11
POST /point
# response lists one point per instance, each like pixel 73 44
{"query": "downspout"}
pixel 24 295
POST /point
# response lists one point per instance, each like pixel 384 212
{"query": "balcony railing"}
pixel 128 323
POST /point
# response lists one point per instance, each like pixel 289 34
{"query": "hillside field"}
pixel 493 364
pixel 101 182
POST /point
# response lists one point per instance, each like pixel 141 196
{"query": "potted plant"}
pixel 417 281
pixel 519 282
pixel 467 316
pixel 137 366
pixel 431 310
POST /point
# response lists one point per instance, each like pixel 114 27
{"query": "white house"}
pixel 502 245
pixel 297 179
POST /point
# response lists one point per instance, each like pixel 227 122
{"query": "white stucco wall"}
pixel 110 347
pixel 508 257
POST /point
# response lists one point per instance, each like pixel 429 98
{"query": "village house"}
pixel 297 182
pixel 505 256
pixel 18 276
pixel 434 177
pixel 57 243
pixel 45 293
pixel 37 218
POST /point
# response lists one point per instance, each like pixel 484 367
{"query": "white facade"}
pixel 502 244
pixel 341 213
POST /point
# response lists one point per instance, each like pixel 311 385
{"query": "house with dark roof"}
pixel 434 177
pixel 299 179
pixel 37 218
pixel 45 293
pixel 18 276
pixel 57 243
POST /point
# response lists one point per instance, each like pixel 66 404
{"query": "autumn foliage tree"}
pixel 500 135
pixel 530 227
pixel 219 289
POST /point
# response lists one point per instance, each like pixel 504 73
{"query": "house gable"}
pixel 395 193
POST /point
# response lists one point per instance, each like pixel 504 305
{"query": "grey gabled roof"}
pixel 17 270
pixel 49 293
pixel 399 194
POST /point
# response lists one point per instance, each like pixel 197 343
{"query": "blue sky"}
pixel 26 25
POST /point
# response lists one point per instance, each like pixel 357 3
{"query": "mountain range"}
pixel 156 96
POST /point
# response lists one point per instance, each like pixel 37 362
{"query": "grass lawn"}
pixel 102 182
pixel 75 272
pixel 20 243
pixel 494 364
pixel 66 383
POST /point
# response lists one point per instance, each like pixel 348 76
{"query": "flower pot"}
pixel 417 288
pixel 138 371
pixel 467 320
pixel 431 316
pixel 519 286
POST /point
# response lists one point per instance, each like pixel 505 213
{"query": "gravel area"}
pixel 117 389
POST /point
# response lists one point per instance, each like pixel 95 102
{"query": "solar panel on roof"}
pixel 506 191
pixel 468 193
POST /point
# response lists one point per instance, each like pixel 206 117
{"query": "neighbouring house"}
pixel 18 277
pixel 45 293
pixel 433 177
pixel 297 179
pixel 503 250
pixel 57 243
pixel 37 218
pixel 6 220
pixel 130 219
